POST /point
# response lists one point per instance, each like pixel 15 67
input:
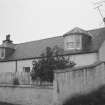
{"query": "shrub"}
pixel 50 60
pixel 15 81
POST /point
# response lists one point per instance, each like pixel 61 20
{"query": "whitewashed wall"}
pixel 84 59
pixel 10 66
pixel 24 63
pixel 27 95
pixel 78 81
pixel 80 60
pixel 7 66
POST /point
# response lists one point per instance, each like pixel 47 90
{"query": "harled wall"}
pixel 79 59
pixel 26 95
pixel 7 66
pixel 84 59
pixel 81 80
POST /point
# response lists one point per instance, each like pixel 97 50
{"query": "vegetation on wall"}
pixel 50 60
pixel 15 81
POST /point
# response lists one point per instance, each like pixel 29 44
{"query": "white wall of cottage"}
pixel 84 59
pixel 7 66
pixel 80 60
pixel 24 63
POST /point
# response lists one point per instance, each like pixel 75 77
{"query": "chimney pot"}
pixel 8 37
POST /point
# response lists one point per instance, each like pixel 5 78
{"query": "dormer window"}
pixel 2 53
pixel 77 39
pixel 73 42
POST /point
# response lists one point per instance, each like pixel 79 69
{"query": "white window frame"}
pixel 71 42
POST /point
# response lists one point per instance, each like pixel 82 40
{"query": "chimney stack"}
pixel 8 37
pixel 8 40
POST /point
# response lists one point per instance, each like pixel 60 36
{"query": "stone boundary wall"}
pixel 67 82
pixel 78 80
pixel 26 95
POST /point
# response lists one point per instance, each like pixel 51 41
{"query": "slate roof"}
pixel 77 30
pixel 98 37
pixel 33 49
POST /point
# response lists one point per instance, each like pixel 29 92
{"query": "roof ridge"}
pixel 76 30
pixel 38 40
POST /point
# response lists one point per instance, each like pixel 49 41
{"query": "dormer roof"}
pixel 77 31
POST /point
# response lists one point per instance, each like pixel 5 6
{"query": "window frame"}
pixel 2 53
pixel 26 71
pixel 75 40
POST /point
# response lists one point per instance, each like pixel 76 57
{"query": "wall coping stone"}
pixel 79 67
pixel 25 86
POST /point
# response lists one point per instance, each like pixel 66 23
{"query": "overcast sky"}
pixel 28 20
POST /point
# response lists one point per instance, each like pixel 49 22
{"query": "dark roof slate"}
pixel 33 49
pixel 98 37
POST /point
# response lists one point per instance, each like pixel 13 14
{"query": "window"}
pixel 26 69
pixel 2 53
pixel 70 44
pixel 73 42
pixel 77 41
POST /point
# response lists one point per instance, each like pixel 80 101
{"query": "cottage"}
pixel 82 47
